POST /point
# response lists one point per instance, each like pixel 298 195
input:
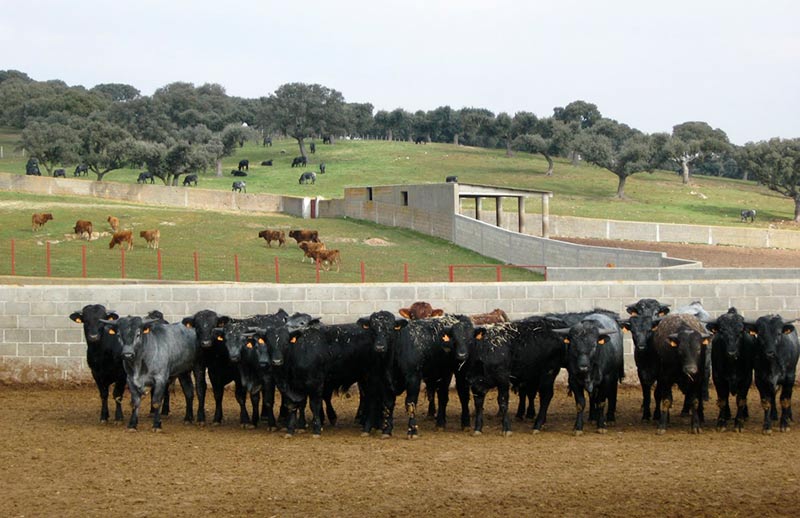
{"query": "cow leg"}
pixel 664 400
pixel 412 396
pixel 219 391
pixel 611 415
pixel 119 389
pixel 741 407
pixel 521 405
pixel 387 414
pixel 240 393
pixel 201 387
pixel 646 387
pixel 291 417
pixel 315 402
pixel 502 401
pixel 786 406
pixel 165 404
pixel 103 389
pixel 443 390
pixel 478 396
pixel 268 404
pixel 723 394
pixel 255 402
pixel 774 412
pixel 545 396
pixel 580 405
pixel 430 392
pixel 697 412
pixel 530 412
pixel 462 387
pixel 686 409
pixel 188 393
pixel 156 399
pixel 329 410
pixel 136 401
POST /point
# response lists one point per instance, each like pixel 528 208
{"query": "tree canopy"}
pixel 302 111
pixel 776 164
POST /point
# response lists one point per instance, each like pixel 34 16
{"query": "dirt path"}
pixel 57 461
pixel 710 255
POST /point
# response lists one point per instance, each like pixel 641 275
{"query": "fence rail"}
pixel 25 259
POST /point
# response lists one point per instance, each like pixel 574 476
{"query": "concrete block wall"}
pixel 38 342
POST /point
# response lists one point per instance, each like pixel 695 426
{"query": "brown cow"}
pixel 304 235
pixel 82 227
pixel 309 248
pixel 420 310
pixel 114 222
pixel 123 236
pixel 151 236
pixel 39 219
pixel 496 316
pixel 328 257
pixel 273 235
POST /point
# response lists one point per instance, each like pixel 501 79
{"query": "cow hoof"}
pixel 767 432
pixel 507 433
pixel 439 429
pixel 131 430
pixel 103 421
pixel 248 426
pixel 466 429
pixel 737 429
pixel 721 429
pixel 661 431
pixel 315 436
pixel 785 429
pixel 157 430
pixel 577 433
pixel 364 434
pixel 386 436
pixel 697 431
pixel 602 430
pixel 477 433
pixel 186 422
pixel 216 423
pixel 611 424
pixel 413 437
pixel 201 424
pixel 287 436
pixel 272 429
pixel 535 431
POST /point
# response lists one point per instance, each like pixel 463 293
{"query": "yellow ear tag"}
pixel 446 338
pixel 673 343
pixel 220 339
pixel 261 340
pixel 364 326
pixel 705 341
pixel 398 327
pixel 189 325
pixel 601 341
pixel 78 320
pixel 634 313
pixel 566 341
pixel 752 333
pixel 146 330
pixel 293 340
pixel 112 332
pixel 479 336
pixel 249 345
pixel 112 317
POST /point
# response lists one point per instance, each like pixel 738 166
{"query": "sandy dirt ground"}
pixel 710 255
pixel 57 460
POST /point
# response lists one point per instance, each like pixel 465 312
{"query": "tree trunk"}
pixel 744 175
pixel 575 159
pixel 509 152
pixel 219 167
pixel 549 164
pixel 455 139
pixel 389 136
pixel 685 170
pixel 797 209
pixel 621 187
pixel 302 145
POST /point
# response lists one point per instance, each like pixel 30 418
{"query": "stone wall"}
pixel 39 343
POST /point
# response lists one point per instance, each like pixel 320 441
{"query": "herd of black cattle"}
pixel 307 361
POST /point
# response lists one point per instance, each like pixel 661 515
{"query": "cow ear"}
pixel 400 323
pixel 249 344
pixel 602 339
pixel 479 332
pixel 672 342
pixel 111 331
pixel 188 322
pixel 632 311
pixel 403 312
pixel 625 325
pixel 437 313
pixel 363 322
pixel 76 317
pixel 712 327
pixel 260 341
pixel 222 321
pixel 663 311
pixel 566 340
pixel 112 315
pixel 788 329
pixel 146 330
pixel 705 341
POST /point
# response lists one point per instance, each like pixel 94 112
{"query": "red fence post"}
pixel 158 259
pixel 499 273
pixel 451 268
pixel 13 258
pixel 363 273
pixel 317 267
pixel 83 261
pixel 196 268
pixel 277 272
pixel 236 266
pixel 122 260
pixel 405 272
pixel 47 256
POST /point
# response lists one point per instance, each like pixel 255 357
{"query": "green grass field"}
pixel 578 191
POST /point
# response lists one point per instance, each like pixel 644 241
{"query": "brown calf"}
pixel 327 257
pixel 273 235
pixel 123 236
pixel 420 310
pixel 114 222
pixel 151 236
pixel 39 219
pixel 82 227
pixel 309 248
pixel 496 316
pixel 304 235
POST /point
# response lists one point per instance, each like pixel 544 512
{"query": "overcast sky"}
pixel 733 64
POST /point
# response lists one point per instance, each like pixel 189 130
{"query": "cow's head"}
pixel 650 307
pixel 130 331
pixel 91 317
pixel 728 331
pixel 204 323
pixel 384 328
pixel 767 332
pixel 583 342
pixel 641 328
pixel 419 310
pixel 462 337
pixel 691 347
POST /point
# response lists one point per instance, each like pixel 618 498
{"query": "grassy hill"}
pixel 584 191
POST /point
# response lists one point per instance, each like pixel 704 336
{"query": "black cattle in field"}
pixel 103 355
pixel 312 148
pixel 145 177
pixel 680 343
pixel 190 179
pixel 239 186
pixel 308 177
pixel 32 167
pixel 267 141
pixel 775 354
pixel 748 214
pixel 153 354
pixel 731 366
pixel 322 167
pixel 267 162
pixel 59 173
pixel 420 140
pixel 299 161
pixel 236 172
pixel 595 365
pixel 451 179
pixel 244 164
pixel 642 322
pixel 81 169
pixel 326 140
